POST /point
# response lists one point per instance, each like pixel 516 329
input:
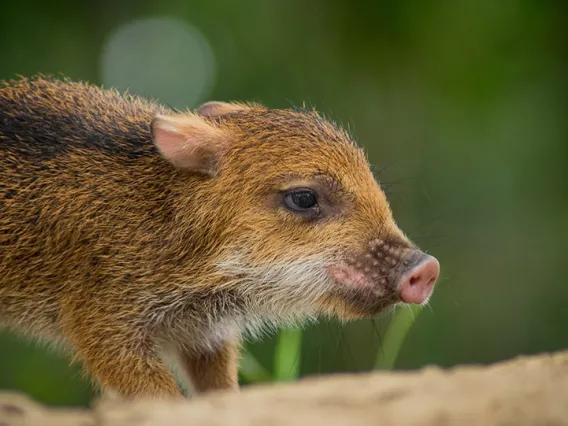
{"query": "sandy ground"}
pixel 524 391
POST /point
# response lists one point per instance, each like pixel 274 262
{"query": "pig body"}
pixel 129 232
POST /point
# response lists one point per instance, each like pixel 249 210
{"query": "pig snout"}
pixel 416 284
pixel 407 274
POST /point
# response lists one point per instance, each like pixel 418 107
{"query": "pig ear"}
pixel 216 109
pixel 189 142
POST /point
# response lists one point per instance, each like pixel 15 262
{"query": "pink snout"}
pixel 416 285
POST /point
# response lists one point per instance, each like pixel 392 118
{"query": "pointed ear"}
pixel 189 142
pixel 216 109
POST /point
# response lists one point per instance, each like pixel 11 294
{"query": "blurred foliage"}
pixel 462 106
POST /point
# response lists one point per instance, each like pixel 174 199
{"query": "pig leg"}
pixel 213 370
pixel 118 355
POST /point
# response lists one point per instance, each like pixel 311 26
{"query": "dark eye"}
pixel 300 200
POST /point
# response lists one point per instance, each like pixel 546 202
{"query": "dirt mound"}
pixel 523 391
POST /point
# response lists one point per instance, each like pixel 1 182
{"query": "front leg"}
pixel 117 354
pixel 213 370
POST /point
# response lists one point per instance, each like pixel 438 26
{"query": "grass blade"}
pixel 288 355
pixel 394 337
pixel 251 370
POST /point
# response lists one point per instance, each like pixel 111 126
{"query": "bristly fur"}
pixel 107 247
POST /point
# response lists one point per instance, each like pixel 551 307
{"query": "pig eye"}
pixel 301 200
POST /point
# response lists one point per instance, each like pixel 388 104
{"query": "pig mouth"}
pixel 364 295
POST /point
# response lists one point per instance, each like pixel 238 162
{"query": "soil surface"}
pixel 523 391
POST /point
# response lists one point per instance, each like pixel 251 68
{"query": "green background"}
pixel 461 103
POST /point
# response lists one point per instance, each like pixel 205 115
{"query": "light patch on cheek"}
pixel 300 281
pixel 349 276
pixel 277 292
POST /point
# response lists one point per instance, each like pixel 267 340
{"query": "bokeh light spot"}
pixel 161 58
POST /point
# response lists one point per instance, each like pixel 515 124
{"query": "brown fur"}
pixel 109 249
